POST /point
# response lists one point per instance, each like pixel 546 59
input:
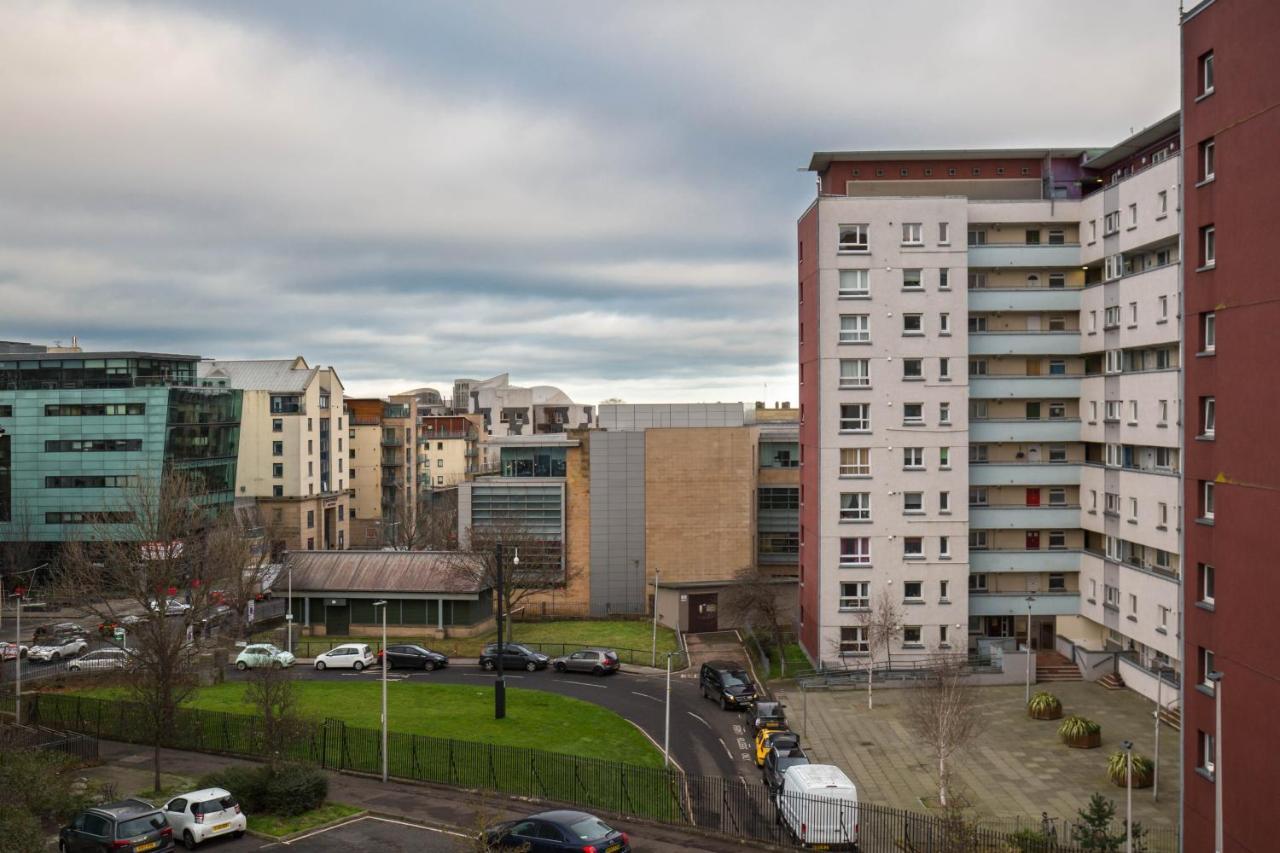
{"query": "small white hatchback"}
pixel 200 815
pixel 350 656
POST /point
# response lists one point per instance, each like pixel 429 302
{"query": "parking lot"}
pixel 363 833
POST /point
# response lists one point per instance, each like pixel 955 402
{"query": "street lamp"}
pixel 657 575
pixel 666 726
pixel 1215 678
pixel 383 605
pixel 288 617
pixel 17 659
pixel 1155 772
pixel 500 684
pixel 1127 746
pixel 1030 600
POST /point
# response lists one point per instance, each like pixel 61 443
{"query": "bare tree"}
pixel 152 554
pixel 752 599
pixel 428 524
pixel 271 693
pixel 245 540
pixel 881 627
pixel 943 713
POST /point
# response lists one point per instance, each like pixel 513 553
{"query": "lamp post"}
pixel 1030 600
pixel 383 605
pixel 1155 772
pixel 1216 678
pixel 288 616
pixel 657 575
pixel 17 658
pixel 666 726
pixel 1127 746
pixel 500 684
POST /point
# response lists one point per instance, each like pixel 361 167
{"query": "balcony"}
pixel 1059 429
pixel 1024 517
pixel 1025 299
pixel 1024 343
pixel 392 440
pixel 1023 473
pixel 1024 255
pixel 1015 603
pixel 995 562
pixel 1018 387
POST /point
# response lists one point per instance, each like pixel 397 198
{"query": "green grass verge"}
pixel 534 719
pixel 796 661
pixel 278 827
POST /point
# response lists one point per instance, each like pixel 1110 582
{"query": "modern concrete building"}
pixel 1231 124
pixel 292 453
pixel 989 399
pixel 512 410
pixel 381 456
pixel 78 429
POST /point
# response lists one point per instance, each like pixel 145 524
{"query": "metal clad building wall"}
pixel 617 522
pixel 622 416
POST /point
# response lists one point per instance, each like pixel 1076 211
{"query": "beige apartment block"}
pixel 450 450
pixel 382 455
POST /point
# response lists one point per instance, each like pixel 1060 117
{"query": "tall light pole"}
pixel 657 575
pixel 1155 772
pixel 383 605
pixel 17 660
pixel 500 684
pixel 1216 678
pixel 288 617
pixel 666 726
pixel 1127 746
pixel 1030 601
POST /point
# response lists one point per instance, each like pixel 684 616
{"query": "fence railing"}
pixel 733 807
pixel 79 746
pixel 905 670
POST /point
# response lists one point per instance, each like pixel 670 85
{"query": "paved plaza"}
pixel 1016 766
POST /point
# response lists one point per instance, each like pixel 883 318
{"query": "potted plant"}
pixel 1080 733
pixel 1143 769
pixel 1044 706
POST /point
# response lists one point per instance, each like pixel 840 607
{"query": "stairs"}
pixel 1112 681
pixel 1051 666
pixel 1171 717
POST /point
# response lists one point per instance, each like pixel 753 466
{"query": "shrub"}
pixel 1080 732
pixel 1143 769
pixel 1044 706
pixel 248 784
pixel 1030 841
pixel 295 788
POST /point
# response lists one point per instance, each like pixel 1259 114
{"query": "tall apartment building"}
pixel 1231 124
pixel 292 449
pixel 989 400
pixel 449 450
pixel 381 457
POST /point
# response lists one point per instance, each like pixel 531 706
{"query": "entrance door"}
pixel 702 612
pixel 1046 634
pixel 337 620
pixel 1033 540
pixel 1033 497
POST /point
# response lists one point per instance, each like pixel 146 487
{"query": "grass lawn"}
pixel 796 661
pixel 277 826
pixel 458 711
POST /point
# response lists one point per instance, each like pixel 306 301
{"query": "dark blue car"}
pixel 558 830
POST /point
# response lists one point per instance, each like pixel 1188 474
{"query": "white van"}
pixel 819 806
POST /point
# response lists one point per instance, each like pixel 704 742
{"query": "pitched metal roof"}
pixel 285 374
pixel 383 571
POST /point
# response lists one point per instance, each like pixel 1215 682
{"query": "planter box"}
pixel 1140 780
pixel 1092 741
pixel 1050 714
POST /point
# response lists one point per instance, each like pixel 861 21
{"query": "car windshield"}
pixel 589 828
pixel 211 806
pixel 414 650
pixel 140 825
pixel 735 677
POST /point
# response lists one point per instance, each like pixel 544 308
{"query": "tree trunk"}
pixel 155 762
pixel 869 672
pixel 942 781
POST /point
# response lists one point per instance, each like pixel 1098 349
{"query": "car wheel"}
pixel 531 666
pixel 560 667
pixel 241 665
pixel 599 670
pixel 320 665
pixel 486 664
pixel 358 665
pixel 188 840
pixel 724 706
pixel 429 665
pixel 62 847
pixel 239 833
pixel 56 656
pixel 275 664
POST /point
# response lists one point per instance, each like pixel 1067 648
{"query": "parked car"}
pixel 200 815
pixel 767 739
pixel 414 657
pixel 58 648
pixel 557 830
pixel 263 654
pixel 355 656
pixel 727 684
pixel 514 656
pixel 101 659
pixel 818 805
pixel 768 715
pixel 172 607
pixel 776 764
pixel 594 661
pixel 9 651
pixel 132 825
pixel 59 629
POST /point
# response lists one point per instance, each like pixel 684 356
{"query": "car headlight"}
pixel 729 697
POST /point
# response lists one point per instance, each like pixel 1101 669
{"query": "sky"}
pixel 598 196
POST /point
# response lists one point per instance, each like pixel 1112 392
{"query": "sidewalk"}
pixel 128 767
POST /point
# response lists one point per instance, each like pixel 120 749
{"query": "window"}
pixel 1133 411
pixel 977 280
pixel 913 502
pixel 913 548
pixel 944 457
pixel 1207 416
pixel 977 582
pixel 1208 755
pixel 855 373
pixel 1163 406
pixel 1133 215
pixel 1205 583
pixel 1206 74
pixel 944 279
pixel 1111 223
pixel 1112 594
pixel 1093 230
pixel 944 234
pixel 1206 500
pixel 978 453
pixel 1057 453
pixel 855 595
pixel 1206 661
pixel 1133 314
pixel 1033 411
pixel 854 284
pixel 944 324
pixel 1057 497
pixel 277 470
pixel 92 445
pixel 1163 302
pixel 944 553
pixel 1114 361
pixel 1209 332
pixel 913 590
pixel 913 324
pixel 913 413
pixel 1057 367
pixel 277 491
pixel 1093 322
pixel 977 237
pixel 977 324
pixel 1112 503
pixel 1111 318
pixel 944 502
pixel 1133 509
pixel 1162 203
pixel 977 367
pixel 944 409
pixel 85 410
pixel 913 457
pixel 855 416
pixel 1162 515
pixel 1057 411
pixel 1057 540
pixel 912 280
pixel 1057 323
pixel 311 518
pixel 854 238
pixel 1112 266
pixel 1057 237
pixel 1208 246
pixel 855 551
pixel 1057 583
pixel 1162 618
pixel 1206 160
pixel 913 368
pixel 912 234
pixel 977 496
pixel 853 640
pixel 855 462
pixel 277 448
pixel 1093 411
pixel 855 329
pixel 855 506
pixel 911 636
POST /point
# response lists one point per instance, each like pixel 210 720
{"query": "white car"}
pixel 200 815
pixel 101 659
pixel 351 656
pixel 173 607
pixel 66 647
pixel 9 651
pixel 263 654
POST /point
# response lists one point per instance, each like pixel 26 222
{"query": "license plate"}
pixel 221 826
pixel 613 848
pixel 821 847
pixel 143 848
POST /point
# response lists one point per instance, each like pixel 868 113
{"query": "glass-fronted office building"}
pixel 78 429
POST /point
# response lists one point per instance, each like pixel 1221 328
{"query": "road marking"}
pixel 646 695
pixel 737 729
pixel 589 684
pixel 726 749
pixel 742 744
pixel 440 830
pixel 490 675
pixel 699 719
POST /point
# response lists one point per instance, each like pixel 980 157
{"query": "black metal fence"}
pixel 733 807
pixel 81 747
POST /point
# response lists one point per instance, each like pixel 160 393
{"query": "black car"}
pixel 776 762
pixel 727 684
pixel 414 657
pixel 58 631
pixel 557 830
pixel 514 656
pixel 768 715
pixel 130 826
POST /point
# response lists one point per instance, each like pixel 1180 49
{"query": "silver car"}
pixel 594 661
pixel 100 660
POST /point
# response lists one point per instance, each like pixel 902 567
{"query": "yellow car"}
pixel 766 739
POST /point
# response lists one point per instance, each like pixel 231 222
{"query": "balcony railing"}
pixel 392 441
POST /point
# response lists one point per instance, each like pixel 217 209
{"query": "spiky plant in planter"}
pixel 1080 733
pixel 1143 769
pixel 1044 706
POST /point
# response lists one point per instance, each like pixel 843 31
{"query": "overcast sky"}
pixel 599 196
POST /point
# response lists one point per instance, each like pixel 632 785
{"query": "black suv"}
pixel 776 762
pixel 514 656
pixel 727 684
pixel 129 826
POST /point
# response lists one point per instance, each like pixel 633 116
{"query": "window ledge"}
pixel 944 557
pixel 1132 520
pixel 944 512
pixel 1160 630
pixel 1161 527
pixel 855 432
pixel 1204 436
pixel 913 244
pixel 913 423
pixel 913 645
pixel 1114 607
pixel 913 558
pixel 853 295
pixel 906 334
pixel 1132 618
pixel 1206 181
pixel 1205 689
pixel 855 343
pixel 944 467
pixel 1207 267
pixel 1092 600
pixel 913 601
pixel 1200 771
pixel 866 251
pixel 854 477
pixel 1162 425
pixel 1205 605
pixel 1206 93
pixel 942 243
pixel 1205 353
pixel 1132 326
pixel 1162 216
pixel 944 334
pixel 1131 228
pixel 1160 322
pixel 855 566
pixel 855 521
pixel 913 290
pixel 1207 522
pixel 913 379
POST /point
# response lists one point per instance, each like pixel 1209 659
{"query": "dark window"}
pixel 779 498
pixel 6 411
pixel 311 518
pixel 88 517
pixel 76 410
pixel 107 481
pixel 92 445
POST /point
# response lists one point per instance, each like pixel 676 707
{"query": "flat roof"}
pixel 822 159
pixel 1144 138
pixel 390 572
pixel 81 356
